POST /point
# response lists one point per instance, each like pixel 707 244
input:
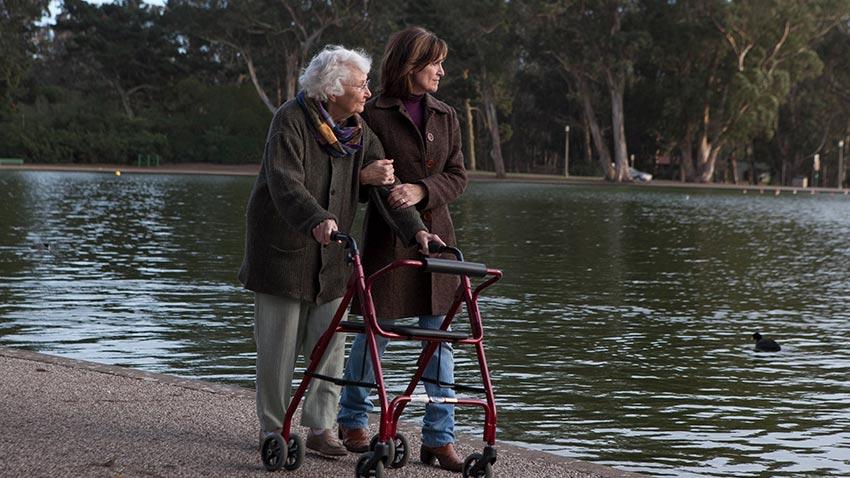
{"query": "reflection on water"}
pixel 621 333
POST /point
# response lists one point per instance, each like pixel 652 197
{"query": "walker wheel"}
pixel 296 453
pixel 366 471
pixel 390 450
pixel 402 451
pixel 273 452
pixel 473 460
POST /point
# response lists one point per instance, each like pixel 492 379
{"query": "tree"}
pixel 273 38
pixel 815 115
pixel 740 69
pixel 121 46
pixel 17 28
pixel 595 42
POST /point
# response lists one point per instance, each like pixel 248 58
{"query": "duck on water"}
pixel 765 344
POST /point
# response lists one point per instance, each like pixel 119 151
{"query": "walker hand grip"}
pixel 348 242
pixel 435 247
pixel 446 266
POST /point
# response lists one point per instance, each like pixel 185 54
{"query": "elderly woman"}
pixel 422 136
pixel 308 188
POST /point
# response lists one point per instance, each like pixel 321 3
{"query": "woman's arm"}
pixel 405 222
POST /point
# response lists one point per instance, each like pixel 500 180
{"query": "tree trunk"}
pixel 706 158
pixel 492 117
pixel 291 75
pixel 595 130
pixel 686 163
pixel 797 165
pixel 588 149
pixel 278 89
pixel 616 88
pixel 260 91
pixel 470 135
pixel 734 161
pixel 125 101
pixel 752 164
pixel 125 98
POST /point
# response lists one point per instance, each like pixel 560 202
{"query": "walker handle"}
pixel 340 236
pixel 350 244
pixel 446 266
pixel 434 248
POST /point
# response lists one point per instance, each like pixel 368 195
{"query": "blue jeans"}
pixel 438 424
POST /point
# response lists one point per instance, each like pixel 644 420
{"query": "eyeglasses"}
pixel 362 87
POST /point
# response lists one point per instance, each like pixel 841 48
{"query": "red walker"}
pixel 389 448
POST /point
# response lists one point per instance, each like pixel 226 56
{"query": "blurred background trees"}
pixel 700 90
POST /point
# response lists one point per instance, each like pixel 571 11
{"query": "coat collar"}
pixel 388 102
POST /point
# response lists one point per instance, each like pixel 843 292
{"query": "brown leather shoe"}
pixel 356 440
pixel 445 455
pixel 326 444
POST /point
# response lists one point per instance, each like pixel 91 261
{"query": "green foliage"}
pixel 816 113
pixel 122 47
pixel 195 80
pixel 216 124
pixel 16 43
pixel 64 126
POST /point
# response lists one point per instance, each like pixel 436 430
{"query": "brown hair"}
pixel 408 52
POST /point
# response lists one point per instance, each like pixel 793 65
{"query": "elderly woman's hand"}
pixel 406 195
pixel 323 230
pixel 423 237
pixel 377 173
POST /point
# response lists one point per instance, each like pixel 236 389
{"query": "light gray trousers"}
pixel 283 329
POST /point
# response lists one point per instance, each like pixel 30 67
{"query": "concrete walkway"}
pixel 67 418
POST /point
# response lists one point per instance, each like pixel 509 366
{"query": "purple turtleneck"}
pixel 415 106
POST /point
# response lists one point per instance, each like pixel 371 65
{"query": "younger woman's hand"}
pixel 406 195
pixel 423 237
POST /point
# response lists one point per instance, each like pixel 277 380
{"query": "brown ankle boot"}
pixel 356 440
pixel 445 455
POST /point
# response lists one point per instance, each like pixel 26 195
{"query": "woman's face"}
pixel 353 99
pixel 427 80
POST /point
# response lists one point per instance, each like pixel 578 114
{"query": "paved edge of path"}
pixel 518 455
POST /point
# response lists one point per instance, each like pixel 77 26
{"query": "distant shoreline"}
pixel 183 168
pixel 485 176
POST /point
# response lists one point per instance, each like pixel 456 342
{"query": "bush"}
pixel 197 123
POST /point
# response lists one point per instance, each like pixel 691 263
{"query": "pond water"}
pixel 620 334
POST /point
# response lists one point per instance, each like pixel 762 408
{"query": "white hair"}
pixel 327 70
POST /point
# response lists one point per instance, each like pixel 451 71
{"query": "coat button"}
pixel 426 216
pixel 333 191
pixel 429 164
pixel 430 136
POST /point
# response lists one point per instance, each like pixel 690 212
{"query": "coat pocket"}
pixel 284 251
pixel 287 271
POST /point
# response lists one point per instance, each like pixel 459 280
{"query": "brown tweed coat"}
pixel 433 159
pixel 299 186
